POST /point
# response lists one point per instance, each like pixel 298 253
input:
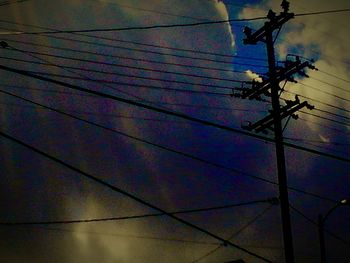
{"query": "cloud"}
pixel 253 76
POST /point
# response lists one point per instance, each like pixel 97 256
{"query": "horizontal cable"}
pixel 200 106
pixel 141 51
pixel 135 85
pixel 325 92
pixel 332 113
pixel 330 84
pixel 107 73
pixel 325 118
pixel 125 193
pixel 318 101
pixel 324 12
pixel 194 51
pixel 166 120
pixel 325 126
pixel 119 29
pixel 188 211
pixel 131 67
pixel 167 112
pixel 236 233
pixel 190 156
pixel 317 141
pixel 315 224
pixel 164 26
pixel 334 76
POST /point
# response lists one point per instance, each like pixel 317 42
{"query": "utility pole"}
pixel 270 87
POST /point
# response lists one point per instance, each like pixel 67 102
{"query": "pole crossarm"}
pixel 285 111
pixel 282 73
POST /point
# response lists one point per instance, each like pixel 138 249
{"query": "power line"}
pixel 134 84
pixel 163 26
pixel 325 92
pixel 133 117
pixel 325 118
pixel 188 211
pixel 119 29
pixel 317 141
pixel 325 126
pixel 167 112
pixel 333 114
pixel 332 85
pixel 109 73
pixel 323 111
pixel 165 120
pixel 190 156
pixel 324 12
pixel 134 67
pixel 142 59
pixel 162 239
pixel 236 233
pixel 125 193
pixel 334 76
pixel 137 50
pixel 326 148
pixel 200 106
pixel 318 101
pixel 134 43
pixel 315 224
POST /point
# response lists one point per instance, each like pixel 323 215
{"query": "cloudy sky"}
pixel 169 162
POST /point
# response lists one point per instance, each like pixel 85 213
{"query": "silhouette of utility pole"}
pixel 270 87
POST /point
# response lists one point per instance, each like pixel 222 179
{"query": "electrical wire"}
pixel 162 239
pixel 199 106
pixel 332 85
pixel 165 120
pixel 190 156
pixel 236 233
pixel 167 112
pixel 325 118
pixel 125 193
pixel 188 211
pixel 136 50
pixel 134 43
pixel 324 12
pixel 174 81
pixel 133 67
pixel 333 114
pixel 143 59
pixel 317 141
pixel 325 126
pixel 315 224
pixel 119 29
pixel 127 84
pixel 325 92
pixel 108 73
pixel 334 76
pixel 318 101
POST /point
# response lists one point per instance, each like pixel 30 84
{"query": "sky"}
pixel 157 157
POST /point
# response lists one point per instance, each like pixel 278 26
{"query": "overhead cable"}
pixel 125 193
pixel 167 112
pixel 162 147
pixel 188 211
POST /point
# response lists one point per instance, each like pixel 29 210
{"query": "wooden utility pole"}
pixel 270 87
